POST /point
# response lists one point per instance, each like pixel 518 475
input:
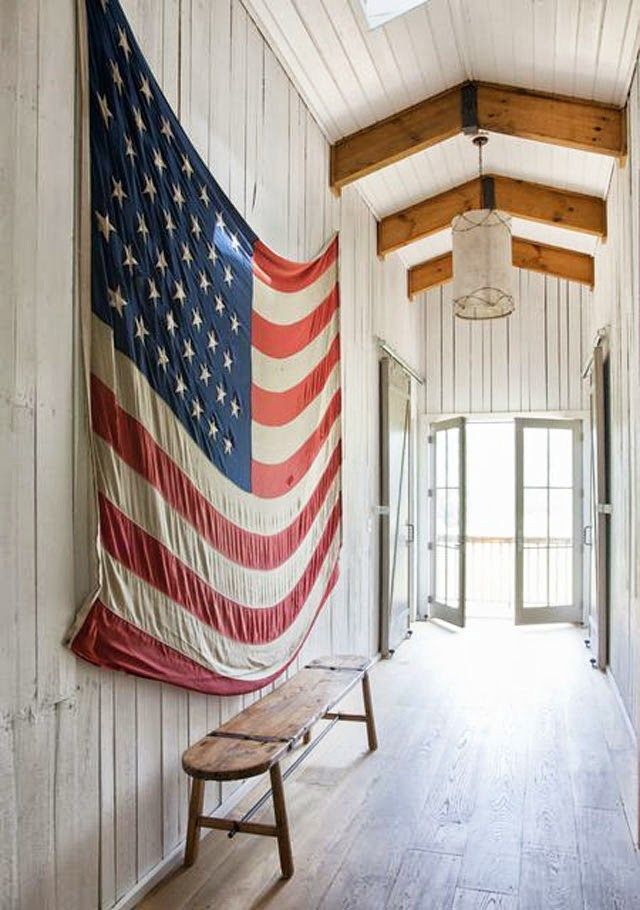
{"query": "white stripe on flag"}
pixel 142 503
pixel 273 445
pixel 129 597
pixel 279 374
pixel 287 307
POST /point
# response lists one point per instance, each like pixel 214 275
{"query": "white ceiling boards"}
pixel 353 76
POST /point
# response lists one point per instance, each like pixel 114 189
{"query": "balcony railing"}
pixel 490 576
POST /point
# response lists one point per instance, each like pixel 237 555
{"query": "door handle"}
pixel 410 533
pixel 587 535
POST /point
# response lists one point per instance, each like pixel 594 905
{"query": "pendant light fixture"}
pixel 483 273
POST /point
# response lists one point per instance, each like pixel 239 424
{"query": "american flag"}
pixel 214 374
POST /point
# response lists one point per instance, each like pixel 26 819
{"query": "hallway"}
pixel 496 786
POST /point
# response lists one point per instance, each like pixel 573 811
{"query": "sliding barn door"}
pixel 548 521
pixel 600 509
pixel 448 472
pixel 396 527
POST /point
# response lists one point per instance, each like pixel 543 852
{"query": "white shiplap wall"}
pixel 91 792
pixel 531 361
pixel 617 305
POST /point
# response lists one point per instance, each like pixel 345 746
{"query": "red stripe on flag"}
pixel 284 275
pixel 285 340
pixel 274 409
pixel 136 447
pixel 109 641
pixel 151 561
pixel 271 480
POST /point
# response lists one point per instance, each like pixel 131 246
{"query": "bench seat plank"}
pixel 282 717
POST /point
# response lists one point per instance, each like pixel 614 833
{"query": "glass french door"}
pixel 448 472
pixel 548 521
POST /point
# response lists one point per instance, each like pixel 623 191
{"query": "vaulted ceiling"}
pixel 352 76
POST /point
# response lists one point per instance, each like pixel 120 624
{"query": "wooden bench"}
pixel 257 739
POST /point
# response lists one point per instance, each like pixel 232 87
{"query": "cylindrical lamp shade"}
pixel 483 273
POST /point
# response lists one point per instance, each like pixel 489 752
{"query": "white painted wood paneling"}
pixel 617 306
pixel 352 76
pixel 92 796
pixel 455 161
pixel 530 361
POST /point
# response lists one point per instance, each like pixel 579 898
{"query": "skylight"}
pixel 377 12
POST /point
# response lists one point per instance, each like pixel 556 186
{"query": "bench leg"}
pixel 368 710
pixel 193 829
pixel 282 824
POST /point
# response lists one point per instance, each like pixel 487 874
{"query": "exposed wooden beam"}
pixel 527 254
pixel 429 274
pixel 554 260
pixel 389 140
pixel 533 201
pixel 569 122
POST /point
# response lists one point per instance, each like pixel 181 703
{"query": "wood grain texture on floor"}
pixel 498 785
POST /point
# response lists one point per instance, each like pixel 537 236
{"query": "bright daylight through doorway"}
pixel 507 519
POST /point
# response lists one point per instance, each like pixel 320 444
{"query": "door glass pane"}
pixel 535 517
pixel 560 458
pixel 560 576
pixel 535 568
pixel 441 574
pixel 441 459
pixel 453 517
pixel 453 457
pixel 453 577
pixel 560 517
pixel 535 456
pixel 441 517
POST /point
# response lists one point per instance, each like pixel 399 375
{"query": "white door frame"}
pixel 571 612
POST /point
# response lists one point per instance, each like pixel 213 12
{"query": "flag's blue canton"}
pixel 171 257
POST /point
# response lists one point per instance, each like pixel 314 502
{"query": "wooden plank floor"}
pixel 498 784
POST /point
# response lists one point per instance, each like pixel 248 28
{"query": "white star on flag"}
pixel 140 124
pixel 123 42
pixel 104 110
pixel 188 353
pixel 116 300
pixel 145 88
pixel 141 329
pixel 166 130
pixel 104 225
pixel 172 325
pixel 129 260
pixel 149 188
pixel 179 293
pixel 115 75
